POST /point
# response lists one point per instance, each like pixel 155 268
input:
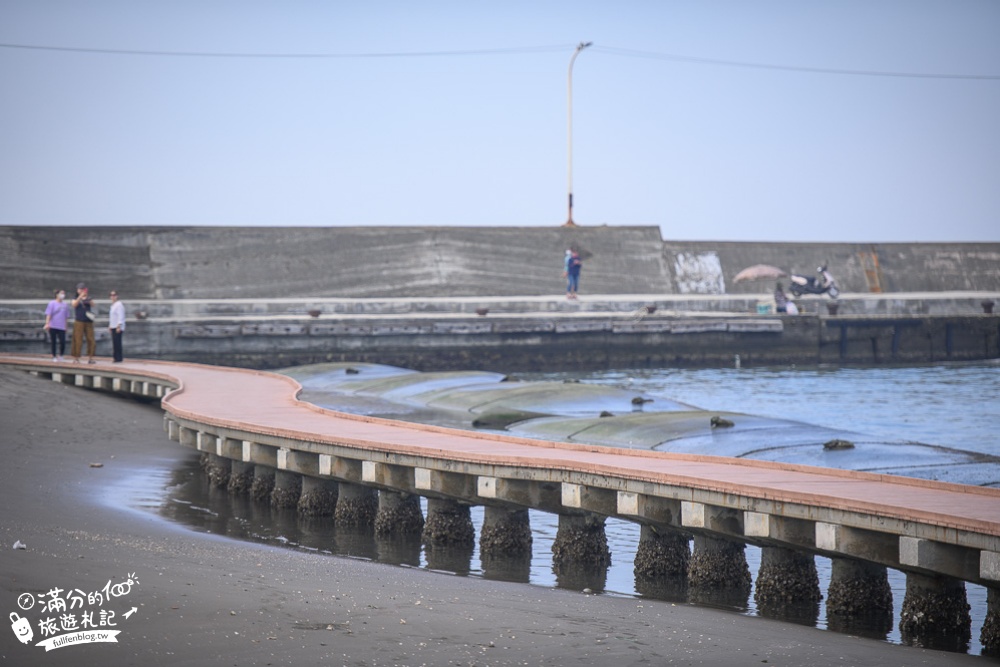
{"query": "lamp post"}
pixel 569 129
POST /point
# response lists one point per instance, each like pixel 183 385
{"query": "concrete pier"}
pixel 505 532
pixel 319 497
pixel 581 541
pixel 263 483
pixel 505 543
pixel 241 477
pixel 398 514
pixel 287 489
pixel 719 564
pixel 785 576
pixel 448 522
pixel 935 606
pixel 356 506
pixel 859 597
pixel 941 535
pixel 449 536
pixel 662 552
pixel 787 584
pixel 218 470
pixel 858 587
pixel 989 636
pixel 662 559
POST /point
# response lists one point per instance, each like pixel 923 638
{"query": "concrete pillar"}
pixel 448 522
pixel 580 540
pixel 662 552
pixel 287 489
pixel 580 553
pixel 356 506
pixel 989 636
pixel 319 497
pixel 217 468
pixel 449 536
pixel 505 532
pixel 787 584
pixel 263 483
pixel 718 572
pixel 398 514
pixel 241 476
pixel 786 576
pixel 857 587
pixel 661 563
pixel 505 544
pixel 717 563
pixel 935 612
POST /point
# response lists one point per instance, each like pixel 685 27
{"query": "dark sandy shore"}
pixel 204 600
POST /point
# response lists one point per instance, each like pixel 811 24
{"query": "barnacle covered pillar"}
pixel 505 532
pixel 449 535
pixel 580 553
pixel 218 469
pixel 263 483
pixel 718 571
pixel 505 543
pixel 935 610
pixel 448 522
pixel 787 583
pixel 398 514
pixel 859 594
pixel 356 505
pixel 989 636
pixel 319 497
pixel 287 489
pixel 241 477
pixel 857 585
pixel 661 562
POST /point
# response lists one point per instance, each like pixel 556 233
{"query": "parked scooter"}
pixel 824 283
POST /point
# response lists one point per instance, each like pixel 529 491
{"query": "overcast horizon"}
pixel 846 121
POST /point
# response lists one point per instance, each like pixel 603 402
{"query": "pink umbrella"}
pixel 759 272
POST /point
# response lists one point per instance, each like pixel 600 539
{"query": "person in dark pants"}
pixel 572 273
pixel 83 324
pixel 56 320
pixel 780 300
pixel 116 325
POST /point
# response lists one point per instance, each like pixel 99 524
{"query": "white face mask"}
pixel 62 295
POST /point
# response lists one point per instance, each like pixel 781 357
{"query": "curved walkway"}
pixel 265 404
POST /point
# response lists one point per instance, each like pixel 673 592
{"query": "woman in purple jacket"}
pixel 56 319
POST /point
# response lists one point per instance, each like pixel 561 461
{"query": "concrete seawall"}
pixel 490 298
pixel 538 334
pixel 263 262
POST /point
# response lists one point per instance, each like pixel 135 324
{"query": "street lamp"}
pixel 569 128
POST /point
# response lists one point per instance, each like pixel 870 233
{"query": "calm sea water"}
pixel 948 405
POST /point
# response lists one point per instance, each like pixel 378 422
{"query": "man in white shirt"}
pixel 116 324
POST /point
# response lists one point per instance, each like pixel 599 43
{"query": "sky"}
pixel 772 120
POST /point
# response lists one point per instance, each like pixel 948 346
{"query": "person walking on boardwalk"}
pixel 83 325
pixel 56 319
pixel 116 325
pixel 572 273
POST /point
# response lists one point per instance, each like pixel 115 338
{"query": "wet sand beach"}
pixel 206 600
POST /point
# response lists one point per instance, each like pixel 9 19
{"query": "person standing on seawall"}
pixel 572 273
pixel 83 326
pixel 56 319
pixel 116 325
